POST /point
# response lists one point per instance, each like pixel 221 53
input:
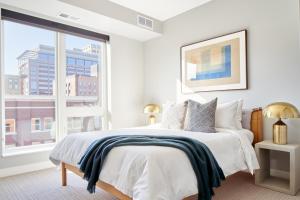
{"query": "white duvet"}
pixel 164 173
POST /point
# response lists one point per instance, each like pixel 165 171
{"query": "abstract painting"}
pixel 215 64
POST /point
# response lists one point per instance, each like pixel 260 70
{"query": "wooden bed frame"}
pixel 256 127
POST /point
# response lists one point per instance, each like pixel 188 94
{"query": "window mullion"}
pixel 61 121
pixel 2 90
pixel 105 74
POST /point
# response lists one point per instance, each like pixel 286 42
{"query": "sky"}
pixel 18 38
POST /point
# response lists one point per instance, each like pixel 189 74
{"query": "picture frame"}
pixel 215 64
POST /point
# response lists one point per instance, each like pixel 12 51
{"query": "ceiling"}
pixel 157 9
pixel 86 19
pixel 160 9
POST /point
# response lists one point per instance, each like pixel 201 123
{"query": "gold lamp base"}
pixel 280 132
pixel 152 119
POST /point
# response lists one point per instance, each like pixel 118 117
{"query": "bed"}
pixel 146 173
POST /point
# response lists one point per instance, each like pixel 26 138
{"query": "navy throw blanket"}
pixel 207 171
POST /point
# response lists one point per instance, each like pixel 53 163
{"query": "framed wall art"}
pixel 215 64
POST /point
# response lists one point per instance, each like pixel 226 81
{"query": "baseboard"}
pixel 280 173
pixel 11 171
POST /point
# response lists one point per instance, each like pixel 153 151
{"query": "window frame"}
pixel 61 110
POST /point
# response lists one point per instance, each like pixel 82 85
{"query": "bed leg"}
pixel 63 174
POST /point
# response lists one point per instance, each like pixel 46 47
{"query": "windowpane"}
pixel 71 61
pixel 10 126
pixel 48 123
pixel 35 124
pixel 80 63
pixel 84 124
pixel 29 76
pixel 83 71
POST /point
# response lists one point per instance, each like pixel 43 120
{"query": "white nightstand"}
pixel 263 176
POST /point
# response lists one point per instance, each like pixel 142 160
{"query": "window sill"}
pixel 10 133
pixel 17 151
pixel 38 131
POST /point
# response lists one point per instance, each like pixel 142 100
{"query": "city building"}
pixel 36 70
pixel 32 122
pixel 92 48
pixel 37 67
pixel 29 121
pixel 12 84
pixel 78 85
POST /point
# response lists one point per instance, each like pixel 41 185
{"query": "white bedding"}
pixel 152 172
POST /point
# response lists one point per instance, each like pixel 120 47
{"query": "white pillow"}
pixel 229 115
pixel 173 115
pixel 239 114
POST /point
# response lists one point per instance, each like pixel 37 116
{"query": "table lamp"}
pixel 152 109
pixel 280 110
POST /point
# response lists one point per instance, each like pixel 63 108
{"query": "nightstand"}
pixel 264 177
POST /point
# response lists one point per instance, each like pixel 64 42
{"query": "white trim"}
pixel 107 123
pixel 11 171
pixel 102 81
pixel 62 123
pixel 22 150
pixel 2 89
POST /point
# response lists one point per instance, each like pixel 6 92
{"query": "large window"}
pixel 29 77
pixel 37 62
pixel 83 83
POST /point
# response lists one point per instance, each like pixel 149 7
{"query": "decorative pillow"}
pixel 173 115
pixel 246 119
pixel 226 115
pixel 200 117
pixel 229 115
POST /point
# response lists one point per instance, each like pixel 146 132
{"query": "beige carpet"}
pixel 45 185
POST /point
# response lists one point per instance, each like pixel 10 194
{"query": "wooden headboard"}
pixel 256 125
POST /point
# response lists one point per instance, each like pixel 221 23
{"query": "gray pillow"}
pixel 200 117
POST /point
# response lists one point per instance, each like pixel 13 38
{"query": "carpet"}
pixel 45 185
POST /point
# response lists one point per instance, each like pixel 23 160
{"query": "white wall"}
pixel 127 82
pixel 273 52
